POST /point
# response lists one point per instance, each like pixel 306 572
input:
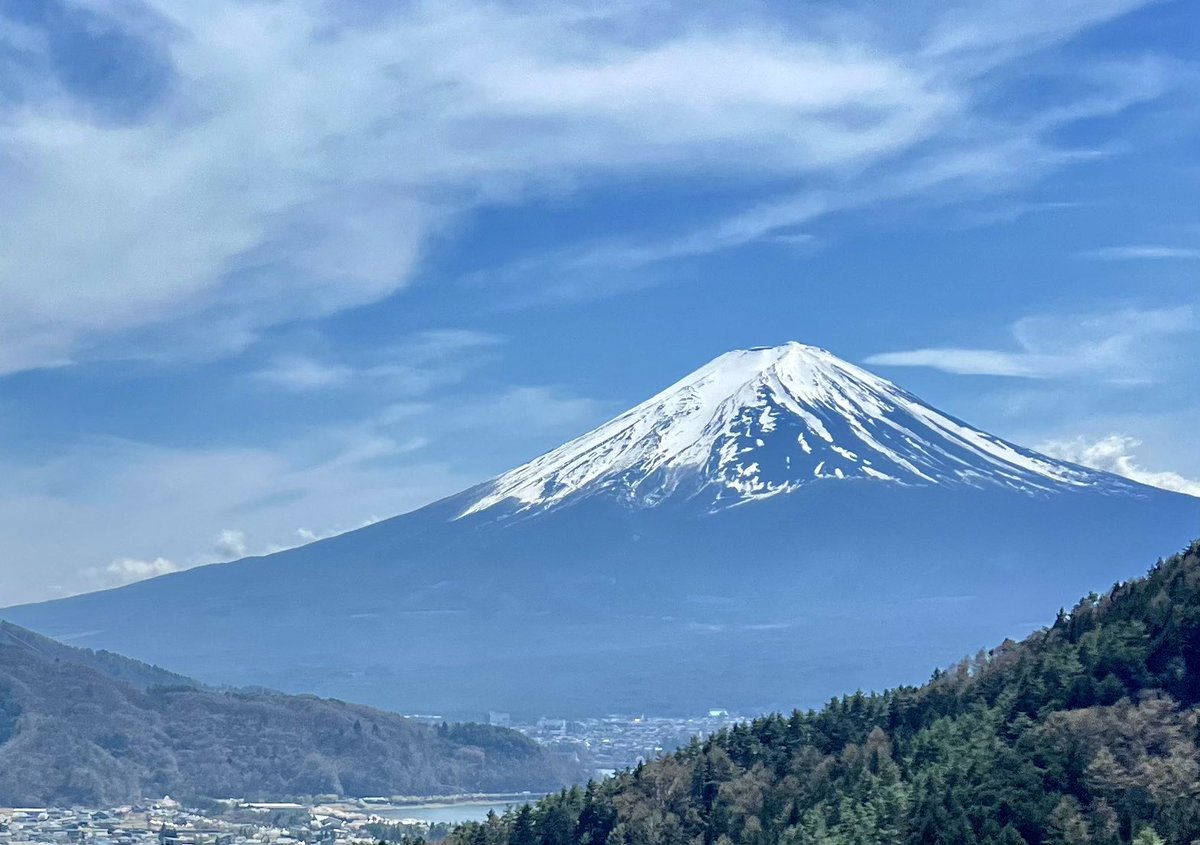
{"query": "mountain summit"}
pixel 776 527
pixel 758 422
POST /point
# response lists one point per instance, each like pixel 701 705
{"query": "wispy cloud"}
pixel 407 368
pixel 123 514
pixel 1116 453
pixel 535 408
pixel 1142 252
pixel 977 156
pixel 988 362
pixel 1121 347
pixel 280 494
pixel 150 201
pixel 301 373
pixel 1008 212
pixel 991 33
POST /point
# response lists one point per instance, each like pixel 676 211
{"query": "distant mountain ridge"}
pixel 75 729
pixel 776 527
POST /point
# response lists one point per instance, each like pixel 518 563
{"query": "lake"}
pixel 451 813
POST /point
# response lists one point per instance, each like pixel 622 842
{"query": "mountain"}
pixel 1085 733
pixel 760 422
pixel 72 733
pixel 776 527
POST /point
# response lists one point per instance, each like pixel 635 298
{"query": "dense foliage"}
pixel 1085 732
pixel 71 733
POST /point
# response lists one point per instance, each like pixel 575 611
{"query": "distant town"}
pixel 227 822
pixel 612 743
pixel 603 745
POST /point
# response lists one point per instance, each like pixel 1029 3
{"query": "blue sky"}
pixel 271 270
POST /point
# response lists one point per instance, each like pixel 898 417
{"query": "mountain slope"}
pixel 667 562
pixel 70 734
pixel 1086 733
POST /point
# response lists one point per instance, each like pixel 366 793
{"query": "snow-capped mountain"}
pixel 759 422
pixel 775 528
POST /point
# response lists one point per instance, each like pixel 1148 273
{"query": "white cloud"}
pixel 307 535
pixel 1142 252
pixel 301 157
pixel 1116 453
pixel 231 545
pixel 1120 347
pixel 126 570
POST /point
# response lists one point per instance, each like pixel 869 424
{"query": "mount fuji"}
pixel 759 422
pixel 776 527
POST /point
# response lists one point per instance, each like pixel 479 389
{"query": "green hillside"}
pixel 1085 732
pixel 97 729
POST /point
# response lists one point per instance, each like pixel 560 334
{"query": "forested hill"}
pixel 90 728
pixel 116 666
pixel 1085 732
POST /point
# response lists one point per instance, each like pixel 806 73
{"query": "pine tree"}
pixel 522 828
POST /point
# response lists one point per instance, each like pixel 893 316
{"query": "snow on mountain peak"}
pixel 758 422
